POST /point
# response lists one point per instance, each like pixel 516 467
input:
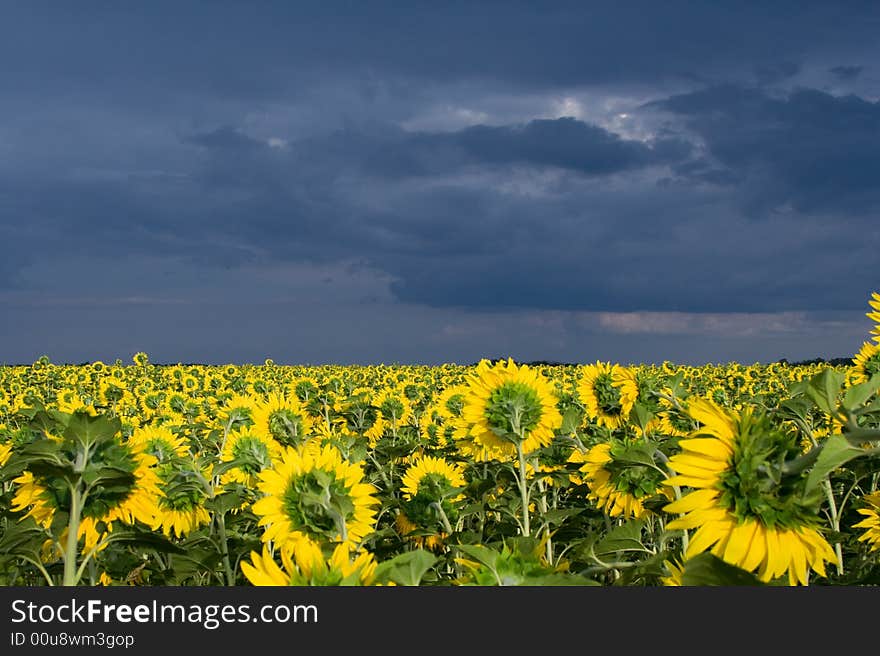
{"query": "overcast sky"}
pixel 371 182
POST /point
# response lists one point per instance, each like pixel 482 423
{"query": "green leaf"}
pixel 857 394
pixel 225 502
pixel 560 515
pixel 24 537
pixel 109 476
pixel 559 579
pixel 407 568
pixel 570 421
pixel 674 383
pixel 798 388
pixel 144 539
pixel 195 560
pixel 708 569
pixel 224 466
pixel 483 555
pixel 799 408
pixel 861 435
pixel 641 416
pixel 824 389
pixel 627 537
pixel 641 453
pixel 836 450
pixel 873 406
pixel 48 421
pixel 87 430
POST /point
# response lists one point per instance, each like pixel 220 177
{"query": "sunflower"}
pixel 394 408
pixel 5 452
pixel 316 495
pixel 719 395
pixel 875 315
pixel 305 389
pixel 746 511
pixel 238 410
pixel 431 428
pixel 421 538
pixel 507 407
pixel 43 495
pixel 182 501
pixel 871 522
pixel 113 393
pixel 617 485
pixel 450 402
pixel 284 418
pixel 70 402
pixel 190 384
pixel 608 392
pixel 674 420
pixel 159 442
pixel 253 450
pixel 433 477
pixel 307 565
pixel 866 363
pixel 437 422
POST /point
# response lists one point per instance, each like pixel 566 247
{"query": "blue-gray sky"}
pixel 423 182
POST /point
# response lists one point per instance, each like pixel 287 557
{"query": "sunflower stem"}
pixel 70 550
pixel 380 470
pixel 88 557
pixel 219 516
pixel 224 547
pixel 523 488
pixel 443 518
pixel 36 563
pixel 542 503
pixel 677 491
pixel 835 523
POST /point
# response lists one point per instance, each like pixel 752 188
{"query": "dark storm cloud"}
pixel 477 159
pixel 566 143
pixel 847 72
pixel 236 50
pixel 809 149
pixel 776 72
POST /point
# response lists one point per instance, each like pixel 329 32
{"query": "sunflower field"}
pixel 488 475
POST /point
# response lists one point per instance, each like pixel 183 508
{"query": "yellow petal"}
pixel 715 449
pixel 692 481
pixel 693 501
pixel 757 552
pixel 777 560
pixel 705 537
pixel 697 466
pixel 740 541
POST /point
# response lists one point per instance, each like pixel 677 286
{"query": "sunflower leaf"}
pixel 560 515
pixel 836 450
pixel 87 430
pixel 641 416
pixel 483 555
pixel 857 394
pixel 144 539
pixel 559 579
pixel 824 389
pixel 407 568
pixel 627 537
pixel 570 421
pixel 25 537
pixel 708 569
